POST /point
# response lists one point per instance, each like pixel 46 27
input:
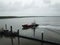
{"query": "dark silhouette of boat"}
pixel 32 26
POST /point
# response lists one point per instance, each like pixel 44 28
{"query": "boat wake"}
pixel 55 29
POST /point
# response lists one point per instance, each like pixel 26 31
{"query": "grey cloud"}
pixel 29 9
pixel 47 1
pixel 56 7
pixel 10 7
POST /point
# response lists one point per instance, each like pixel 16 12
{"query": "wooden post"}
pixel 34 32
pixel 11 35
pixel 42 38
pixel 18 37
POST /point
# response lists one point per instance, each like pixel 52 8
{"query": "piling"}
pixel 11 35
pixel 18 37
pixel 42 38
pixel 34 32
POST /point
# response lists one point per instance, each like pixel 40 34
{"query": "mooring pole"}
pixel 18 37
pixel 42 38
pixel 11 35
pixel 34 32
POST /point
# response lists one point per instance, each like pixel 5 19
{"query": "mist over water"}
pixel 17 23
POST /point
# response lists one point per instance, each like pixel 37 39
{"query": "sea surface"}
pixel 52 33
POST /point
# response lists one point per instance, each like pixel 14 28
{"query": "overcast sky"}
pixel 29 7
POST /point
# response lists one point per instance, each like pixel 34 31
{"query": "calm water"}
pixel 18 22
